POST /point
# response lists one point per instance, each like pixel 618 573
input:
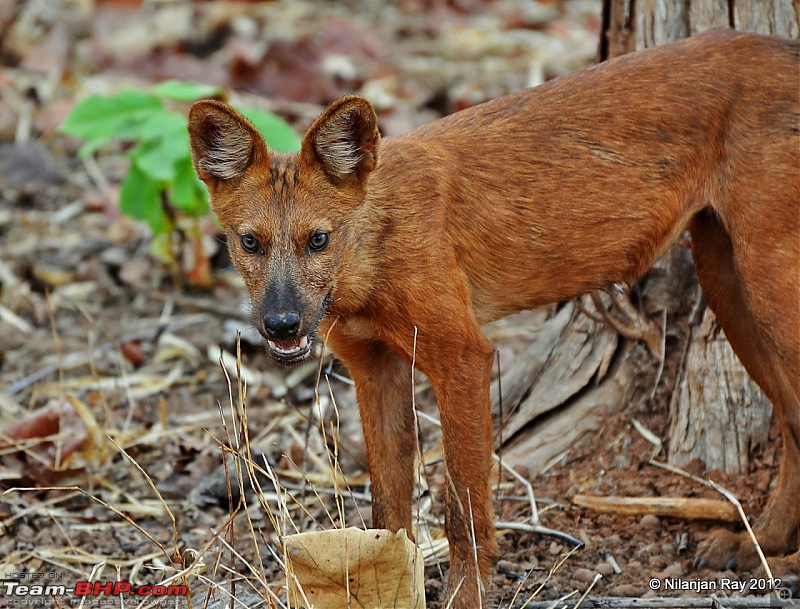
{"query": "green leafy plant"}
pixel 161 186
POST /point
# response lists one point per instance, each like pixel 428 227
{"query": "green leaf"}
pixel 188 193
pixel 98 119
pixel 161 159
pixel 157 158
pixel 163 124
pixel 149 158
pixel 185 91
pixel 279 134
pixel 140 199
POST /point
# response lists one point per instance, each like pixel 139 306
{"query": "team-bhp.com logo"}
pixel 98 588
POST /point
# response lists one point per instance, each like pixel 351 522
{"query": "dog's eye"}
pixel 250 243
pixel 318 241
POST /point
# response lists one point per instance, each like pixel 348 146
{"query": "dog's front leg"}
pixel 383 391
pixel 461 377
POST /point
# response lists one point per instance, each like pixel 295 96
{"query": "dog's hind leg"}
pixel 766 347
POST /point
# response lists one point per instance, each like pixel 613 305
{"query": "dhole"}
pixel 528 199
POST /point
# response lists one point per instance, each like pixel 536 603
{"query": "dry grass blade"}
pixel 596 579
pixel 176 553
pixel 550 574
pixel 519 588
pixel 336 465
pixel 478 581
pixel 11 318
pixel 432 550
pixel 258 576
pixel 453 596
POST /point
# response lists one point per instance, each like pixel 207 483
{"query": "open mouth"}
pixel 291 349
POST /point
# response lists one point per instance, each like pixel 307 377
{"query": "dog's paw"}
pixel 726 550
pixel 787 569
pixel 785 582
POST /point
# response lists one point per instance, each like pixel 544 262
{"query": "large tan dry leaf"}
pixel 354 568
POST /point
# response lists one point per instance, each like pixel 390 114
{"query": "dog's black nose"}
pixel 282 326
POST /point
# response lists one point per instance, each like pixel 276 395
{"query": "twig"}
pixel 96 174
pixel 663 357
pixel 541 530
pixel 636 327
pixel 527 485
pixel 212 306
pixel 11 318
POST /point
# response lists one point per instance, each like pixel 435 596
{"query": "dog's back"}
pixel 598 173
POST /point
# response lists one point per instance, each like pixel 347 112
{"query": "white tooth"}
pixel 302 345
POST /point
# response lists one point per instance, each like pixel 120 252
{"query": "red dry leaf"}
pixel 132 351
pixel 61 432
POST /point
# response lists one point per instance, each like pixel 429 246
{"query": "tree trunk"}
pixel 717 411
pixel 630 25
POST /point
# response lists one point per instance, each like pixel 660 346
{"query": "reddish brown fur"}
pixel 525 200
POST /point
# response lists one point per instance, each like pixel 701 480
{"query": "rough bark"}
pixel 636 24
pixel 558 389
pixel 718 413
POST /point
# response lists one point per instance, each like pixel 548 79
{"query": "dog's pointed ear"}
pixel 344 140
pixel 224 143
